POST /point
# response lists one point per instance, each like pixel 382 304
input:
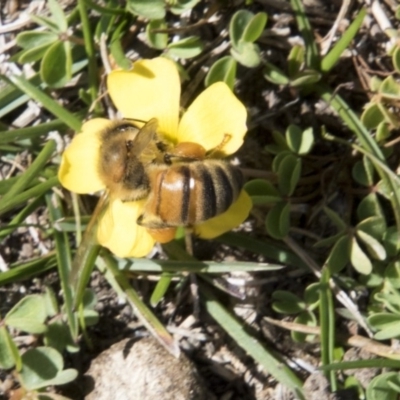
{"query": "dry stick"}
pixel 341 296
pixel 370 345
pixel 327 40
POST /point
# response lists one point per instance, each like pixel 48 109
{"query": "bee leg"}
pixel 189 241
pixel 216 150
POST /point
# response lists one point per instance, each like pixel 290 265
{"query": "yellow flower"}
pixel 152 90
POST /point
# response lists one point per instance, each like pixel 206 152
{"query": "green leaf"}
pixel 339 256
pixel 179 6
pixel 285 302
pixel 274 75
pixel 8 349
pixel 369 170
pixel 396 59
pixel 56 65
pixel 300 142
pixel 305 78
pixel 50 302
pixel 30 39
pixel 262 191
pixel 58 336
pixel 328 241
pixel 89 299
pixel 306 318
pixel 369 207
pixel 295 60
pixel 359 175
pixel 391 238
pixel 394 382
pixel 58 15
pixel 374 248
pixel 154 9
pixel 374 226
pixel 375 83
pixel 387 324
pixel 116 48
pixel 28 314
pixel 289 174
pixel 307 141
pixel 390 88
pixel 247 54
pixel 63 377
pixel 188 47
pixel 311 295
pixel 42 367
pixel 254 27
pixel 46 22
pixel 280 140
pixel 91 317
pixel 359 259
pixel 390 299
pixel 157 40
pixel 277 221
pixel 335 218
pixel 276 163
pixel 372 116
pixel 238 25
pixel 34 54
pixel 222 70
pixel 383 131
pixel 392 273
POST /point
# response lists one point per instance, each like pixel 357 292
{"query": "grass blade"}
pixel 26 270
pixel 35 191
pixel 31 173
pixel 63 261
pixel 210 267
pixel 312 53
pixel 330 60
pixel 327 318
pixel 30 132
pixel 148 319
pixel 235 329
pixel 51 105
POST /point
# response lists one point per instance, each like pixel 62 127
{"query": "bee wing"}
pixel 146 134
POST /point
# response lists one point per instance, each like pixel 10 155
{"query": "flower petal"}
pixel 150 90
pixel 214 113
pixel 79 162
pixel 119 232
pixel 226 221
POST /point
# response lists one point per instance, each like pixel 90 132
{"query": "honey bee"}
pixel 183 185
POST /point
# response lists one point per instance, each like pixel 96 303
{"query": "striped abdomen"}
pixel 184 194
